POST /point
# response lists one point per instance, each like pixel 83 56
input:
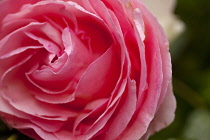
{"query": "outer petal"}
pixel 159 75
pixel 165 114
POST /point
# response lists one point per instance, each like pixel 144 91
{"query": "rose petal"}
pixel 14 25
pixel 25 125
pixel 154 86
pixel 9 7
pixel 165 114
pixel 45 124
pixel 163 46
pixel 124 112
pixel 15 63
pixel 99 70
pixel 110 20
pixel 99 123
pixel 91 108
pixel 7 44
pixel 39 108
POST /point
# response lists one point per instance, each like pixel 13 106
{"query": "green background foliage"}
pixel 191 77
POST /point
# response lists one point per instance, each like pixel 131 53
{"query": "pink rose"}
pixel 83 69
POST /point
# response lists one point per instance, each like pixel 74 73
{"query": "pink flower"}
pixel 83 69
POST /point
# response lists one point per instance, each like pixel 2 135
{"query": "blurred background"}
pixel 190 52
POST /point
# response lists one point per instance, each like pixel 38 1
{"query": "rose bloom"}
pixel 84 70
